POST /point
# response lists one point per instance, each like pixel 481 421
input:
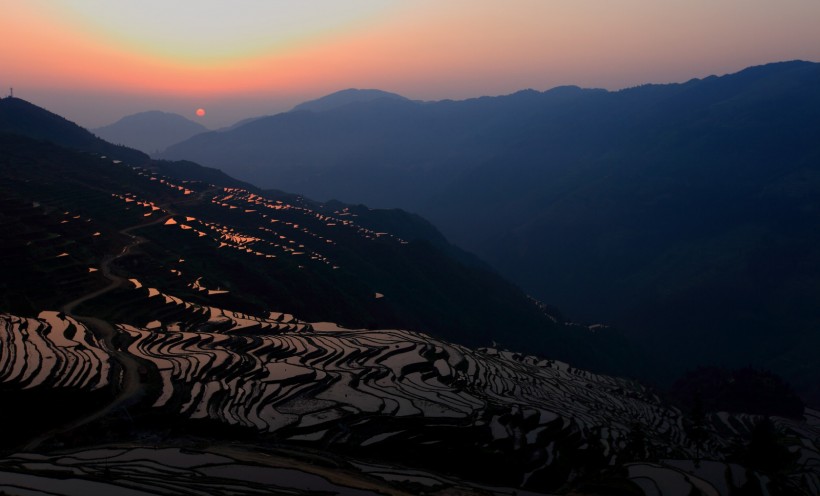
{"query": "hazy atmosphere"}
pixel 256 57
pixel 399 247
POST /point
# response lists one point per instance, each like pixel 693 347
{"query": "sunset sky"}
pixel 95 61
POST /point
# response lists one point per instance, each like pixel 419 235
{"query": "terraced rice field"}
pixel 324 385
pixel 309 382
pixel 51 351
pixel 169 471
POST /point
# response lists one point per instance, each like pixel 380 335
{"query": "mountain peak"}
pixel 154 114
pixel 150 131
pixel 345 97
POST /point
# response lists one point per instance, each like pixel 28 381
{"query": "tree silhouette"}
pixel 697 430
pixel 766 451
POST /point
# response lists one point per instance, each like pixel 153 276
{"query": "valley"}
pixel 202 336
pixel 395 248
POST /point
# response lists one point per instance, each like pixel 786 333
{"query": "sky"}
pixel 94 61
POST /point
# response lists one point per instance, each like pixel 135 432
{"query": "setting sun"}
pixel 200 112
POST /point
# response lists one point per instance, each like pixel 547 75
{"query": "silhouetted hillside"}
pixel 151 131
pixel 21 117
pixel 190 171
pixel 685 213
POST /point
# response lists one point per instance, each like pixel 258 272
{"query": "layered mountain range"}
pixel 203 336
pixel 683 214
pixel 324 261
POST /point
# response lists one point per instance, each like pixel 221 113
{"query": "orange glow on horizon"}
pixel 458 44
pixel 423 49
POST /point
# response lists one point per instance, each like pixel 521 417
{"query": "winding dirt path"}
pixel 131 388
pixel 105 266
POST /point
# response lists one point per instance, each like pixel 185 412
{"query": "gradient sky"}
pixel 94 61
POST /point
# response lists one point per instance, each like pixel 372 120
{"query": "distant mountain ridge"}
pixel 345 97
pixel 151 131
